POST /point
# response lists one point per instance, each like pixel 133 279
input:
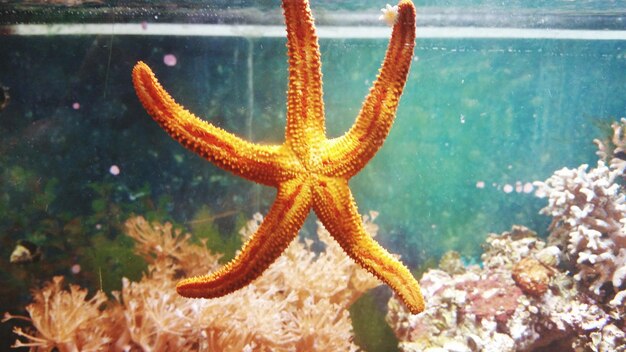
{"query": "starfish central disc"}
pixel 308 170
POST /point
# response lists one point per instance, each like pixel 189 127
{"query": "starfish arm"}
pixel 335 207
pixel 305 107
pixel 348 154
pixel 263 164
pixel 277 230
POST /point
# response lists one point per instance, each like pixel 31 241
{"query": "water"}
pixel 480 119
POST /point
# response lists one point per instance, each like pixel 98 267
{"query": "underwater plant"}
pixel 300 303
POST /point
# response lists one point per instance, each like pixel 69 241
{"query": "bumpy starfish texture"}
pixel 308 170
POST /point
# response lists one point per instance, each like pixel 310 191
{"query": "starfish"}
pixel 308 170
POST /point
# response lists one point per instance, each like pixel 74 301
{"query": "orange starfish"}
pixel 308 170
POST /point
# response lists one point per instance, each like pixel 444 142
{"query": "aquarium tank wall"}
pixel 500 184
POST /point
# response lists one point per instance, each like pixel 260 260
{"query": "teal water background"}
pixel 498 112
pixel 492 111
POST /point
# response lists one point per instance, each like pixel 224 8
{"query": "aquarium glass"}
pixel 500 94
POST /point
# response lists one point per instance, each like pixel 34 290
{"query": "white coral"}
pixel 588 208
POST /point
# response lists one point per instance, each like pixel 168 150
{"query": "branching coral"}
pixel 299 304
pixel 589 219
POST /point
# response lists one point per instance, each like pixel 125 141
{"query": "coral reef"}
pixel 567 293
pixel 486 309
pixel 299 304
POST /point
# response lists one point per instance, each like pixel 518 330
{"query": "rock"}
pixel 532 276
